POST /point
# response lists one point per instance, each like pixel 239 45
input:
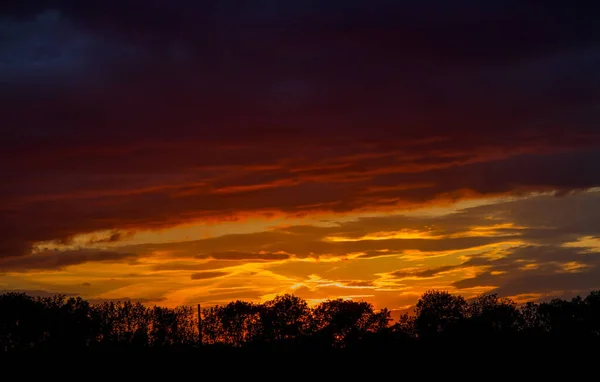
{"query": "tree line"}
pixel 288 323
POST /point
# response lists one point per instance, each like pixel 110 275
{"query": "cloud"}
pixel 56 260
pixel 539 270
pixel 207 275
pixel 246 256
pixel 276 245
pixel 111 238
pixel 540 246
pixel 179 266
pixel 306 112
pixel 426 273
pixel 358 283
pixel 151 115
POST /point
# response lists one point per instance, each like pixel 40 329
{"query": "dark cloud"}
pixel 246 256
pixel 55 260
pixel 545 252
pixel 376 254
pixel 177 266
pixel 358 283
pixel 303 246
pixel 112 238
pixel 539 220
pixel 134 114
pixel 544 270
pixel 542 220
pixel 426 273
pixel 207 275
pixel 552 220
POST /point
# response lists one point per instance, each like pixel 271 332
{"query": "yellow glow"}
pixel 589 242
pixel 401 234
pixel 494 230
pixel 529 267
pixel 327 257
pixel 573 267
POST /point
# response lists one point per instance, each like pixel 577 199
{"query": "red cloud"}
pixel 149 124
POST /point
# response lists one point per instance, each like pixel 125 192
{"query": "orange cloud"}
pixel 207 275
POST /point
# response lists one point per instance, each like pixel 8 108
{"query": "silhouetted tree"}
pixel 531 320
pixel 404 329
pixel 344 321
pixel 124 323
pixel 164 327
pixel 21 322
pixel 439 312
pixel 592 313
pixel 288 323
pixel 233 324
pixel 69 323
pixel 285 317
pixel 212 332
pixel 563 318
pixel 491 315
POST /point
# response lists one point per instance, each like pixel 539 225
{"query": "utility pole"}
pixel 199 325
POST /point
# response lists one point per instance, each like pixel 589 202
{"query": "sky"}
pixel 184 152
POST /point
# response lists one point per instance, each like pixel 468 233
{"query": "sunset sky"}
pixel 183 152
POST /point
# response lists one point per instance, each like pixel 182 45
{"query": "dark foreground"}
pixel 286 329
